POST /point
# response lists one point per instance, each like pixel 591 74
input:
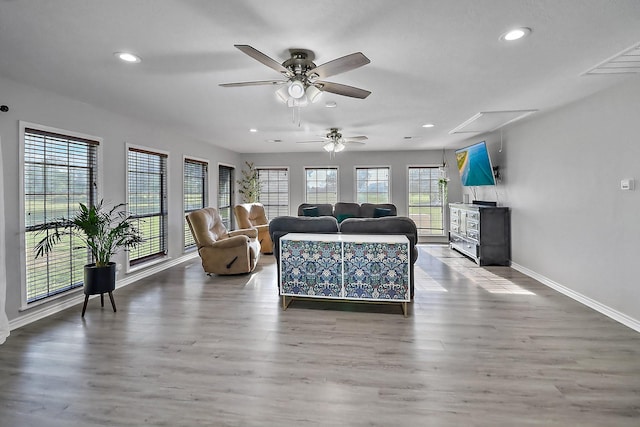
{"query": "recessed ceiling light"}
pixel 252 130
pixel 408 137
pixel 515 34
pixel 127 57
pixel 274 140
pixel 428 125
pixel 331 104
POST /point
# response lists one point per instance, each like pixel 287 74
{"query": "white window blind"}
pixel 321 185
pixel 147 186
pixel 225 195
pixel 196 189
pixel 425 200
pixel 60 172
pixel 372 185
pixel 274 191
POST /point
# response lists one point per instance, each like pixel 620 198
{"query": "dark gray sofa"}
pixel 343 210
pixel 282 225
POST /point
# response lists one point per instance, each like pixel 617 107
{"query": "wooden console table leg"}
pixel 285 304
pixel 101 300
pixel 113 303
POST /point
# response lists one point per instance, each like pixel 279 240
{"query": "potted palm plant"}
pixel 104 231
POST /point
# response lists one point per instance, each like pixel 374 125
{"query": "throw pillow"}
pixel 380 212
pixel 310 211
pixel 342 217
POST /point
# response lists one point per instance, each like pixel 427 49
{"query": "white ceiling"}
pixel 432 61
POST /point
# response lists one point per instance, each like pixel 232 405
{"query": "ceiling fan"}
pixel 304 79
pixel 334 142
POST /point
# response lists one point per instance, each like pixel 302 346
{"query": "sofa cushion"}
pixel 367 209
pixel 324 209
pixel 310 211
pixel 342 217
pixel 281 225
pixel 346 208
pixel 380 212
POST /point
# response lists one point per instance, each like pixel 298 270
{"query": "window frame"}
pixel 205 198
pixel 442 206
pixel 304 171
pixel 98 174
pixel 159 257
pixel 266 207
pixel 355 184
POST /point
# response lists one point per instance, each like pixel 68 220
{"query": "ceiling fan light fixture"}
pixel 338 147
pixel 329 147
pixel 302 102
pixel 283 94
pixel 313 94
pixel 296 89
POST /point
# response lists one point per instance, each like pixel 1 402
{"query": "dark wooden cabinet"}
pixel 483 233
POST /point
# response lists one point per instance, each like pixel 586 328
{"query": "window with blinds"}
pixel 274 191
pixel 195 192
pixel 147 189
pixel 425 200
pixel 60 172
pixel 373 185
pixel 225 195
pixel 321 185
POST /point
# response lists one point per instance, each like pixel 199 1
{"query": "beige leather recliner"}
pixel 252 215
pixel 223 252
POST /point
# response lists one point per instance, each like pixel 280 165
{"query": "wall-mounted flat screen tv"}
pixel 474 165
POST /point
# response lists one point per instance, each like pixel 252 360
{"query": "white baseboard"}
pixel 591 303
pixel 55 307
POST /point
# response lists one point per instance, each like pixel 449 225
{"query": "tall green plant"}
pixel 103 231
pixel 250 184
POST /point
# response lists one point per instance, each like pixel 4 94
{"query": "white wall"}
pixel 571 223
pixel 45 108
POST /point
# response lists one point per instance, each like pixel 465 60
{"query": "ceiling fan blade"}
pixel 340 89
pixel 348 141
pixel 261 57
pixel 256 83
pixel 356 138
pixel 340 65
pixel 308 142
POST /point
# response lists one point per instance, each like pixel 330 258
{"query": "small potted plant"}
pixel 104 232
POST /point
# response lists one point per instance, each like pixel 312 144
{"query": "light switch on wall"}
pixel 626 184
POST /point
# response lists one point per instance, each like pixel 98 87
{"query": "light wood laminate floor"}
pixel 481 347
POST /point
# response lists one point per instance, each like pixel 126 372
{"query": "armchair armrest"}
pixel 249 232
pixel 229 243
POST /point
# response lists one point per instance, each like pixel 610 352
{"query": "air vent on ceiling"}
pixel 625 62
pixel 488 121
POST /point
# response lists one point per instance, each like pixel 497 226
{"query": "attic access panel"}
pixel 488 121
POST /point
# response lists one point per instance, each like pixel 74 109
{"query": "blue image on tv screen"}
pixel 474 165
